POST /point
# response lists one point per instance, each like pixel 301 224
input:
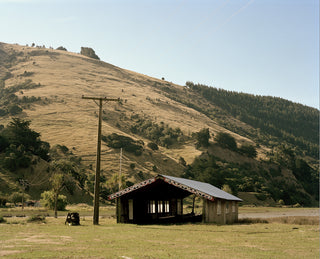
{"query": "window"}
pixel 160 207
pixel 227 207
pixel 179 207
pixel 166 206
pixel 219 207
pixel 233 206
pixel 130 203
pixel 152 207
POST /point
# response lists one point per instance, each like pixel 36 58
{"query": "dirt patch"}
pixel 8 252
pixel 40 239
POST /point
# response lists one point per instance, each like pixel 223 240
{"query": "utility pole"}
pixel 120 181
pixel 98 162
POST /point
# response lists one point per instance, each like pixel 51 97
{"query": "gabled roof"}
pixel 205 190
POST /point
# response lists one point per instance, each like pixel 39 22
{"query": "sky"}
pixel 261 47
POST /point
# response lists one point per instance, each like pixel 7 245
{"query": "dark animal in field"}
pixel 73 219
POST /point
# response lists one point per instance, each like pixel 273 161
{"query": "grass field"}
pixel 52 239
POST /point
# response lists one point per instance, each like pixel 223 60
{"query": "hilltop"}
pixel 45 86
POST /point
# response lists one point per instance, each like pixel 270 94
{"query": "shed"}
pixel 160 200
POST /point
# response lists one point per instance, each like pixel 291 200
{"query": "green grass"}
pixel 53 239
pixel 290 237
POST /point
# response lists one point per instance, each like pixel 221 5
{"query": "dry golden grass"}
pixel 71 121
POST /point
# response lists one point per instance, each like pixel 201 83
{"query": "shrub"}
pixel 248 150
pixel 252 221
pixel 37 218
pixel 17 197
pixel 225 140
pixel 182 161
pixel 153 146
pixel 3 201
pixel 128 144
pixel 14 109
pixel 2 220
pixel 132 166
pixel 47 199
pixel 202 138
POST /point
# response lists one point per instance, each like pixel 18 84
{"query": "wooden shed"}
pixel 160 200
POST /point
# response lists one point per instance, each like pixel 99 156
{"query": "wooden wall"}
pixel 220 211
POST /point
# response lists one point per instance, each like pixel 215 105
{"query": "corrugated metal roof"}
pixel 204 188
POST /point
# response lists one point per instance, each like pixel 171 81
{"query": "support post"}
pixel 98 160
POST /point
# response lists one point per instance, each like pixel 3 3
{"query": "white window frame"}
pixel 166 206
pixel 160 206
pixel 152 207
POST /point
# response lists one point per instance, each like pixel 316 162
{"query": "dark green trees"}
pixel 18 142
pixel 225 140
pixel 202 138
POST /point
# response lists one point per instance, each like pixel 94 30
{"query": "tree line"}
pixel 280 119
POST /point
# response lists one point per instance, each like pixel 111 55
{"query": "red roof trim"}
pixel 131 188
pixel 169 181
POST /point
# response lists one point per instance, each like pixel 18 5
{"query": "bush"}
pixel 248 150
pixel 153 146
pixel 225 140
pixel 47 199
pixel 202 138
pixel 132 166
pixel 37 218
pixel 14 109
pixel 2 220
pixel 182 161
pixel 3 201
pixel 17 197
pixel 128 144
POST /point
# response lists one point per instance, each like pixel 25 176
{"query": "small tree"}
pixel 57 183
pixel 226 188
pixel 225 140
pixel 113 183
pixel 248 150
pixel 182 161
pixel 16 197
pixel 62 178
pixel 202 138
pixel 153 146
pixel 48 200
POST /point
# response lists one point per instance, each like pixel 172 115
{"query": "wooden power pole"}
pixel 97 178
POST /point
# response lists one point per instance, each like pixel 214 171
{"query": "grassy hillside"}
pixel 45 86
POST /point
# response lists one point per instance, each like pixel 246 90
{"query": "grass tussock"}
pixel 36 219
pixel 252 221
pixel 296 220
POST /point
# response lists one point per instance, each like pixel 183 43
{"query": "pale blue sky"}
pixel 265 47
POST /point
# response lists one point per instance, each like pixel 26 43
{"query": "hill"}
pixel 45 87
